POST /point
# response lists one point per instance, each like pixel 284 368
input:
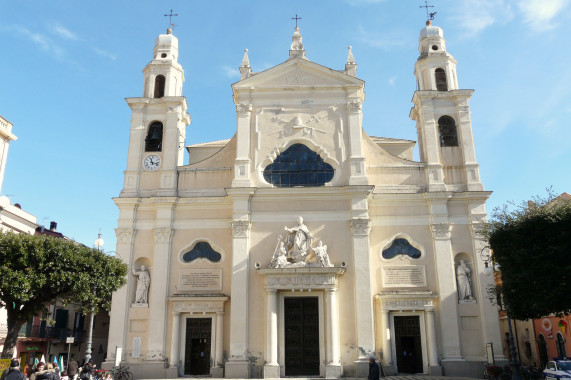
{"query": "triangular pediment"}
pixel 298 72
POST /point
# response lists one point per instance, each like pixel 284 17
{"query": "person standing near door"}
pixel 373 368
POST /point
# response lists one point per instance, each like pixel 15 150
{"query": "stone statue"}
pixel 143 283
pixel 298 241
pixel 464 282
pixel 321 256
pixel 279 260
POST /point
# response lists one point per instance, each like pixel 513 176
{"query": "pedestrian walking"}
pixel 374 371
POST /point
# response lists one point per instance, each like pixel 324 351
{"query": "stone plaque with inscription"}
pixel 137 341
pixel 201 279
pixel 405 276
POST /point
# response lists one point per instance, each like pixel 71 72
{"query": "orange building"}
pixel 553 337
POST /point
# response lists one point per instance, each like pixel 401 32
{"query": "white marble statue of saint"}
pixel 279 260
pixel 143 283
pixel 322 258
pixel 464 281
pixel 298 241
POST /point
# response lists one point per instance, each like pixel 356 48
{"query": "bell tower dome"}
pixel 442 116
pixel 164 76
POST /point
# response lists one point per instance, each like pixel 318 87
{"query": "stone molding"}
pixel 240 228
pixel 163 234
pixel 124 235
pixel 198 304
pixel 441 231
pixel 301 278
pixel 475 228
pixel 407 300
pixel 360 227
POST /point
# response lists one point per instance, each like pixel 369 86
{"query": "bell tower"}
pixel 158 122
pixel 442 116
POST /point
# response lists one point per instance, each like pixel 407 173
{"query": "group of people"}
pixel 51 371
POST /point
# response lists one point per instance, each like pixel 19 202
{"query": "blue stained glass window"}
pixel 298 166
pixel 401 247
pixel 202 250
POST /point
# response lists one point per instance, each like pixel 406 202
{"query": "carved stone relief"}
pixel 124 235
pixel 360 227
pixel 163 234
pixel 240 228
pixel 441 231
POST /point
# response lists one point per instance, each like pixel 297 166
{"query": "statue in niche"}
pixel 298 241
pixel 463 276
pixel 321 256
pixel 143 283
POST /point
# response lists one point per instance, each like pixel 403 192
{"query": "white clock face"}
pixel 152 162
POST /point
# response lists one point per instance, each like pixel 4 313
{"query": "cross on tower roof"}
pixel 429 16
pixel 296 18
pixel 170 16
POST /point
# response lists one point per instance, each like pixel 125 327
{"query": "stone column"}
pixel 119 318
pixel 218 367
pixel 272 368
pixel 175 340
pixel 242 161
pixel 238 364
pixel 447 288
pixel 433 368
pixel 158 292
pixel 356 158
pixel 363 295
pixel 333 369
pixel 386 337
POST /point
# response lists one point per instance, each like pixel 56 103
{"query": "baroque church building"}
pixel 302 246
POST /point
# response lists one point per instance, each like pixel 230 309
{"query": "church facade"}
pixel 302 246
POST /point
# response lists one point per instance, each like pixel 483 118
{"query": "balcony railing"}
pixel 55 333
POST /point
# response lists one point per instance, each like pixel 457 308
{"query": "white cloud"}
pixel 230 72
pixel 540 14
pixel 63 32
pixel 104 53
pixel 476 15
pixel 392 80
pixel 42 41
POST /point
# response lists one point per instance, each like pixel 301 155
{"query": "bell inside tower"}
pixel 154 139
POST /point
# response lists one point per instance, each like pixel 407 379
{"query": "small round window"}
pixel 164 55
pixel 434 47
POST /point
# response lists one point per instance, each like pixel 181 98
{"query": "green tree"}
pixel 35 270
pixel 532 244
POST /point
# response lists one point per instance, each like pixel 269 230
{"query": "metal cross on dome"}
pixel 170 16
pixel 296 18
pixel 429 15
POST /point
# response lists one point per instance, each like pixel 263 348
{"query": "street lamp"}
pixel 486 258
pixel 88 348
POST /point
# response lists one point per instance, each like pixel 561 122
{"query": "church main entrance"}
pixel 408 344
pixel 197 346
pixel 301 325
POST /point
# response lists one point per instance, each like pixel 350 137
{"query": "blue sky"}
pixel 68 65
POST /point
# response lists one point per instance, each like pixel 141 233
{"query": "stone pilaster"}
pixel 356 158
pixel 447 288
pixel 272 368
pixel 242 162
pixel 360 228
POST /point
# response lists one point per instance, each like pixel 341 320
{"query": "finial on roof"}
pixel 169 31
pixel 428 23
pixel 350 58
pixel 297 49
pixel 351 65
pixel 245 69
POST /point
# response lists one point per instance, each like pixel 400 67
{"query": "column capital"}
pixel 360 226
pixel 271 292
pixel 240 228
pixel 124 235
pixel 430 309
pixel 354 106
pixel 244 109
pixel 330 290
pixel 441 231
pixel 163 234
pixel 176 313
pixel 219 313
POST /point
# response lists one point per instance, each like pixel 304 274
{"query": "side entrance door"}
pixel 408 344
pixel 301 327
pixel 197 346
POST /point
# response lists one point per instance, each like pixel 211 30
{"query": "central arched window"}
pixel 447 131
pixel 298 166
pixel 159 86
pixel 401 246
pixel 202 250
